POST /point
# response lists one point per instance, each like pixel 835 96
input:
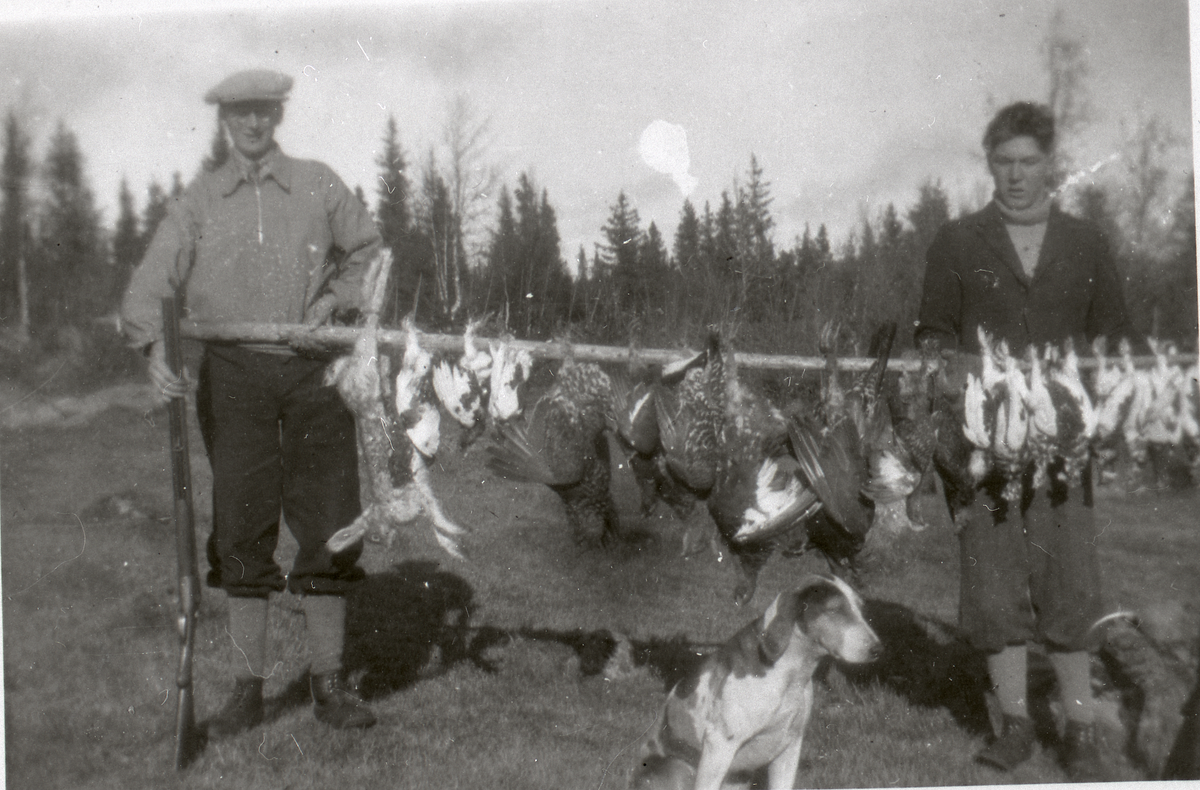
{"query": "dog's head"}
pixel 828 612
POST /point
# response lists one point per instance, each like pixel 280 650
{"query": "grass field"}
pixel 496 673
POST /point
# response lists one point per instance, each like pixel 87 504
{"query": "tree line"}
pixel 459 255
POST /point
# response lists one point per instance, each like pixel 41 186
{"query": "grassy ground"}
pixel 487 674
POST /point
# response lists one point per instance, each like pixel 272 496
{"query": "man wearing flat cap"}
pixel 270 239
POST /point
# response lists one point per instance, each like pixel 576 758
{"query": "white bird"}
pixel 1133 428
pixel 891 484
pixel 1108 375
pixel 425 433
pixel 1066 374
pixel 1076 414
pixel 975 425
pixel 991 374
pixel 454 391
pixel 1012 424
pixel 1112 400
pixel 1043 419
pixel 510 371
pixel 462 386
pixel 413 369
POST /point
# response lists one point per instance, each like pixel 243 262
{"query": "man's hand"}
pixel 318 315
pixel 321 311
pixel 953 380
pixel 167 385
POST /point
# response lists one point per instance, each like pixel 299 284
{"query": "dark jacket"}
pixel 973 278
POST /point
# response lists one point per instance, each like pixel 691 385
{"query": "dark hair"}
pixel 1021 119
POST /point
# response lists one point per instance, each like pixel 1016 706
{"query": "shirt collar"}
pixel 238 170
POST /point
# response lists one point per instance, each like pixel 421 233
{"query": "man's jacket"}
pixel 254 248
pixel 974 278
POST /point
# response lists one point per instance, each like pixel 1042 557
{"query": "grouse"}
pixel 561 443
pixel 727 446
pixel 846 449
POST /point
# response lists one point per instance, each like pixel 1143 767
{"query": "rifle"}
pixel 189 740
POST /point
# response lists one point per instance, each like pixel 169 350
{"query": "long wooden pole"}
pixel 344 337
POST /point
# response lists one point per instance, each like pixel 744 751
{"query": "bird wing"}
pixel 780 502
pixel 539 449
pixel 836 471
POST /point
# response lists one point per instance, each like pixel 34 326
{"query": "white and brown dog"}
pixel 749 704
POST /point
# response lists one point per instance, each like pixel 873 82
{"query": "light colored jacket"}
pixel 254 249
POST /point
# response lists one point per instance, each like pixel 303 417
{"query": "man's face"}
pixel 1021 171
pixel 251 125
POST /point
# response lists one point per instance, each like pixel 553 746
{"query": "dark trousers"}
pixel 278 440
pixel 1032 575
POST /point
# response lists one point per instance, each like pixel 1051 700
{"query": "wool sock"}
pixel 325 619
pixel 1074 672
pixel 1008 670
pixel 248 631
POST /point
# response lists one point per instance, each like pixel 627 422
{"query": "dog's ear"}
pixel 777 624
pixel 813 599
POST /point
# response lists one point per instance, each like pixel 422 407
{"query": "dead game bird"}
pixel 463 386
pixel 560 442
pixel 757 494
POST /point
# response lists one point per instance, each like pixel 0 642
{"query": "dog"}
pixel 749 703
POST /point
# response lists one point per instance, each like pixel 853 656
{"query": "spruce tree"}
pixel 157 203
pixel 218 153
pixel 686 251
pixel 621 234
pixel 392 209
pixel 71 278
pixel 127 243
pixel 14 185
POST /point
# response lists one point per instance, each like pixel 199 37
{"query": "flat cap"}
pixel 255 85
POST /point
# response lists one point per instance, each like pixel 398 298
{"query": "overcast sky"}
pixel 846 105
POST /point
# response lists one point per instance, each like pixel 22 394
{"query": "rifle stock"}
pixel 189 741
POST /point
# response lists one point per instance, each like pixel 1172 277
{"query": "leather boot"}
pixel 243 709
pixel 335 704
pixel 1013 747
pixel 1081 753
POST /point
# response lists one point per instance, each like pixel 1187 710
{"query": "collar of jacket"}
pixel 989 225
pixel 236 171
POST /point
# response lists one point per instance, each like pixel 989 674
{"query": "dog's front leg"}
pixel 781 773
pixel 716 756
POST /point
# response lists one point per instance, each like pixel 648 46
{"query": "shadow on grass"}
pixel 402 624
pixel 925 661
pixel 412 622
pixel 928 663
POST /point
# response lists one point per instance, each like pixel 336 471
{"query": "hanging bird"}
pixel 929 426
pixel 849 456
pixel 635 415
pixel 834 466
pixel 397 480
pixel 1042 439
pixel 1012 425
pixel 560 442
pixel 462 387
pixel 1075 413
pixel 1139 415
pixel 758 494
pixel 689 420
pixel 510 371
pixel 637 432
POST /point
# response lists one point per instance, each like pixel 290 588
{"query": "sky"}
pixel 846 105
